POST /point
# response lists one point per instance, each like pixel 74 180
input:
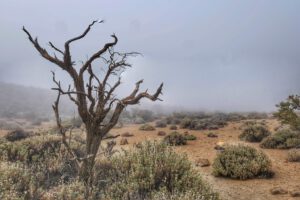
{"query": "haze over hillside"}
pixel 22 101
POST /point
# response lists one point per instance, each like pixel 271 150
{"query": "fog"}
pixel 211 55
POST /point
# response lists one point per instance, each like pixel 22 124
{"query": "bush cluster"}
pixel 242 162
pixel 254 133
pixel 17 134
pixel 150 171
pixel 283 139
pixel 161 124
pixel 146 127
pixel 175 139
pixel 294 155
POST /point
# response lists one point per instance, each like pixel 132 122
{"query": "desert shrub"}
pixel 146 115
pixel 189 136
pixel 161 124
pixel 175 139
pixel 70 191
pixel 242 162
pixel 153 169
pixel 17 134
pixel 283 139
pixel 185 123
pixel 293 155
pixel 173 127
pixel 254 133
pixel 19 183
pixel 146 127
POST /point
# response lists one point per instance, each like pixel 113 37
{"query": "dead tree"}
pixel 92 93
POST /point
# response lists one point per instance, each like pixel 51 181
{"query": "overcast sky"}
pixel 215 55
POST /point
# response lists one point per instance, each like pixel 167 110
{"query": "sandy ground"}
pixel 287 174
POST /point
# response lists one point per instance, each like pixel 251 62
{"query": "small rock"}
pixel 202 162
pixel 123 141
pixel 127 134
pixel 212 135
pixel 161 133
pixel 295 193
pixel 220 146
pixel 278 190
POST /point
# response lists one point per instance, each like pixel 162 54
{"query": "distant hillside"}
pixel 28 102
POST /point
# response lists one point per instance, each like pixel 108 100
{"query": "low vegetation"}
pixel 40 168
pixel 17 134
pixel 283 139
pixel 175 139
pixel 161 124
pixel 146 127
pixel 293 155
pixel 254 133
pixel 189 136
pixel 242 162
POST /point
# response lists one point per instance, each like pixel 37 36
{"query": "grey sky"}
pixel 214 55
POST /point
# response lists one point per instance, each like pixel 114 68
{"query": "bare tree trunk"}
pixel 93 141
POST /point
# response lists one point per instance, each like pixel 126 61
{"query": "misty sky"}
pixel 215 55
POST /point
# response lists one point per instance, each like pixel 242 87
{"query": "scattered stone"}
pixel 161 133
pixel 220 146
pixel 202 162
pixel 212 135
pixel 127 134
pixel 295 193
pixel 123 141
pixel 278 190
pixel 173 127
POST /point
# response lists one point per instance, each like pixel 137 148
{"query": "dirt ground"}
pixel 287 174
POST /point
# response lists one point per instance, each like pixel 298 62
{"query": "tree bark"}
pixel 93 141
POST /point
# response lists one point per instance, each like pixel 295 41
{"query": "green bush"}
pixel 283 139
pixel 242 162
pixel 189 136
pixel 150 171
pixel 254 133
pixel 146 127
pixel 175 139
